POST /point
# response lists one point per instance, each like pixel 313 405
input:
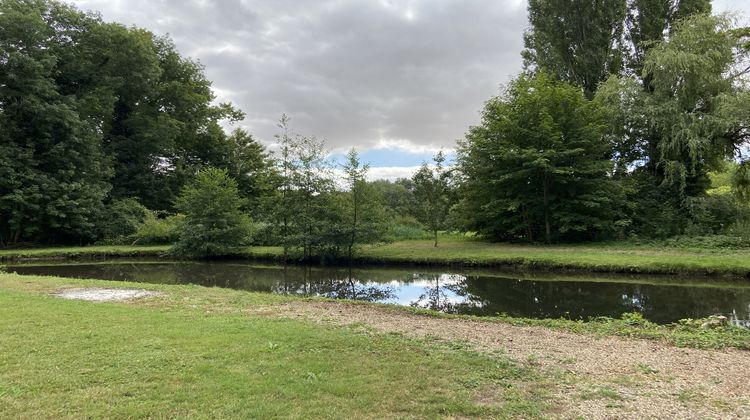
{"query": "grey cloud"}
pixel 354 72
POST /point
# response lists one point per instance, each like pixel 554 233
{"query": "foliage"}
pixel 576 41
pixel 686 333
pixel 538 166
pixel 214 224
pixel 363 219
pixel 688 121
pixel 406 227
pixel 53 173
pixel 157 230
pixel 252 166
pixel 433 195
pixel 121 218
pixel 650 20
pixel 94 112
pixel 301 205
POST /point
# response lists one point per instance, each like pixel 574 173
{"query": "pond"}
pixel 662 299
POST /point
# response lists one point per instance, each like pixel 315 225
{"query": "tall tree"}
pixel 433 195
pixel 578 41
pixel 649 21
pixel 53 174
pixel 252 166
pixel 303 187
pixel 539 165
pixel 694 114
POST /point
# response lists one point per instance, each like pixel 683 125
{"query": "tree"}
pixel 214 223
pixel 433 195
pixel 53 174
pixel 251 165
pixel 364 220
pixel 92 113
pixel 577 41
pixel 693 116
pixel 300 205
pixel 312 188
pixel 583 42
pixel 539 165
pixel 649 21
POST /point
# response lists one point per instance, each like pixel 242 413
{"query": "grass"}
pixel 465 251
pixel 605 257
pixel 202 353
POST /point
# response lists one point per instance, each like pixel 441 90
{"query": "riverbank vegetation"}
pixel 111 137
pixel 646 258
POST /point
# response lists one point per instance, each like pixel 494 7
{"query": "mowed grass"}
pixel 604 257
pixel 207 353
pixel 466 251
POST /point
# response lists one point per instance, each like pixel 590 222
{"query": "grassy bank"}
pixel 203 353
pixel 462 251
pixel 217 353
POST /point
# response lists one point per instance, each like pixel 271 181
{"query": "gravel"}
pixel 648 379
pixel 105 295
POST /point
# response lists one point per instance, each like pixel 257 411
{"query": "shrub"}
pixel 157 231
pixel 120 219
pixel 404 228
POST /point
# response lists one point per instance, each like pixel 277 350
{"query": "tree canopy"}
pixel 539 165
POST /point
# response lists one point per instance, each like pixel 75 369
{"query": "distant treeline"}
pixel 630 120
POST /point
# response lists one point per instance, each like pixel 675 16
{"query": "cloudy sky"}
pixel 398 79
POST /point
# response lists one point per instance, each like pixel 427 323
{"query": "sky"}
pixel 397 79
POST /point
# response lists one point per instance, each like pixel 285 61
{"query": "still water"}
pixel 485 292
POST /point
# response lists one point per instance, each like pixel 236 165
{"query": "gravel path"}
pixel 600 377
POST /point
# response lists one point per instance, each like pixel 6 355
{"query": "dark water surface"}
pixel 486 292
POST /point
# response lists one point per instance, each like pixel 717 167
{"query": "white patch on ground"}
pixel 105 295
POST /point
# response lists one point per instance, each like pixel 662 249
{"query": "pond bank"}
pixel 466 252
pixel 219 352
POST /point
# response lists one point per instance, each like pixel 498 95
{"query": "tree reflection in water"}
pixel 476 294
pixel 445 293
pixel 304 282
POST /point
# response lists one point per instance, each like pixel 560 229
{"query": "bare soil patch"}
pixel 600 377
pixel 105 295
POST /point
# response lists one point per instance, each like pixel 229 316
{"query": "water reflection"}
pixel 484 293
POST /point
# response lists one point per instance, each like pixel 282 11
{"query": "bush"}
pixel 214 223
pixel 120 219
pixel 157 231
pixel 709 242
pixel 405 228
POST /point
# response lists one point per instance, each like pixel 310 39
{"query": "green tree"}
pixel 583 42
pixel 649 21
pixel 53 174
pixel 214 223
pixel 539 165
pixel 363 216
pixel 577 41
pixel 300 206
pixel 433 195
pixel 251 165
pixel 693 116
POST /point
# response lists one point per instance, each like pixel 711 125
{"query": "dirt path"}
pixel 598 377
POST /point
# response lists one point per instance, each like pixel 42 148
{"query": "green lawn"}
pixel 199 353
pixel 466 251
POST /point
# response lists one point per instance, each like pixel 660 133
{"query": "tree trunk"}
pixel 547 230
pixel 436 236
